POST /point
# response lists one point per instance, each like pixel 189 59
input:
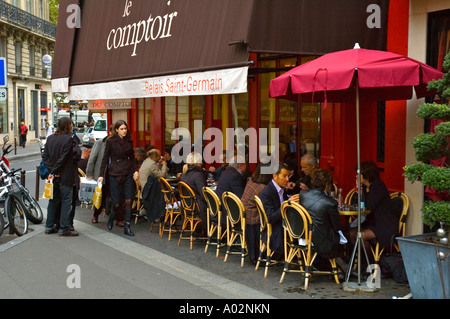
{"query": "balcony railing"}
pixel 26 20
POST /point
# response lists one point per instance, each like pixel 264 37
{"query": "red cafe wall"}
pixel 338 123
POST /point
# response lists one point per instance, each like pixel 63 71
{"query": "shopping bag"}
pixel 87 189
pixel 97 199
pixel 48 190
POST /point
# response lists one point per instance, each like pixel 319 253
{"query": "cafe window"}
pixel 240 111
pixel 197 114
pixel 268 111
pixel 230 111
pixel 309 129
pixel 176 115
pixel 144 121
pixel 297 136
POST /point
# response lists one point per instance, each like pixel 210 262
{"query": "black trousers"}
pixel 22 140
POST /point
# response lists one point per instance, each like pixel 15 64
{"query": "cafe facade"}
pixel 163 65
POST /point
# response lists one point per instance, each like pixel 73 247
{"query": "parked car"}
pixel 80 133
pixel 100 131
pixel 85 140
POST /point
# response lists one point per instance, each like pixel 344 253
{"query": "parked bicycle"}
pixel 33 209
pixel 13 212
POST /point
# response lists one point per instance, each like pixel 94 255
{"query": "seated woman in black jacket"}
pixel 195 176
pixel 382 223
pixel 324 214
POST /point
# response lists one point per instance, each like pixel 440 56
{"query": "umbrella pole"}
pixel 359 240
pixel 358 155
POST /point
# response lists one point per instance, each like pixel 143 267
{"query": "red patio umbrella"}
pixel 352 76
pixel 335 77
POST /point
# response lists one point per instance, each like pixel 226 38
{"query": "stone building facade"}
pixel 26 37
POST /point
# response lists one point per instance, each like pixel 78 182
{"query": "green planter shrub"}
pixel 434 146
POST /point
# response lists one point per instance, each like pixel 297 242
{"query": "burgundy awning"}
pixel 152 42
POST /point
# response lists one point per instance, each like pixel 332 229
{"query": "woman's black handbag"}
pixel 392 267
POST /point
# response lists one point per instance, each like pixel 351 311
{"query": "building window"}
pixel 30 7
pixel 177 116
pixel 18 52
pixel 309 129
pixel 32 61
pixel 297 136
pixel 144 121
pixel 197 114
pixel 41 9
pixel 268 106
pixel 3 43
pixel 240 111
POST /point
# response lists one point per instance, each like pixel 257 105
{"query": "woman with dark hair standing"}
pixel 122 172
pixel 381 224
pixel 61 155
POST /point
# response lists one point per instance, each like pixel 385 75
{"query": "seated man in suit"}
pixel 272 196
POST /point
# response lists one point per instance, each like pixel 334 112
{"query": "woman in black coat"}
pixel 122 172
pixel 382 223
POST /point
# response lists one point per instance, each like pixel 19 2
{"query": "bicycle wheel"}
pixel 33 210
pixel 16 214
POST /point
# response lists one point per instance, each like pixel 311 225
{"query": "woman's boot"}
pixel 111 218
pixel 127 224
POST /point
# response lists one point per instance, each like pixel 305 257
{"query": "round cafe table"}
pixel 353 212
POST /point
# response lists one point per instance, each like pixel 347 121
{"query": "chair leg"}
pixel 183 228
pixel 334 270
pixel 211 231
pixel 285 270
pixel 243 250
pixel 261 251
pixel 191 239
pixel 267 266
pixel 307 276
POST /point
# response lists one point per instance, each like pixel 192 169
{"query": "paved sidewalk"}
pixel 32 148
pixel 45 266
pixel 113 265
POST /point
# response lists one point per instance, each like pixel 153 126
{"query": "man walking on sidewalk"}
pixel 61 154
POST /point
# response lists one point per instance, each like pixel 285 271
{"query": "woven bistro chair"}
pixel 297 242
pixel 173 209
pixel 235 224
pixel 264 246
pixel 214 215
pixel 191 211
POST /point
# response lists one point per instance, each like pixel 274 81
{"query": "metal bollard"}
pixel 36 189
